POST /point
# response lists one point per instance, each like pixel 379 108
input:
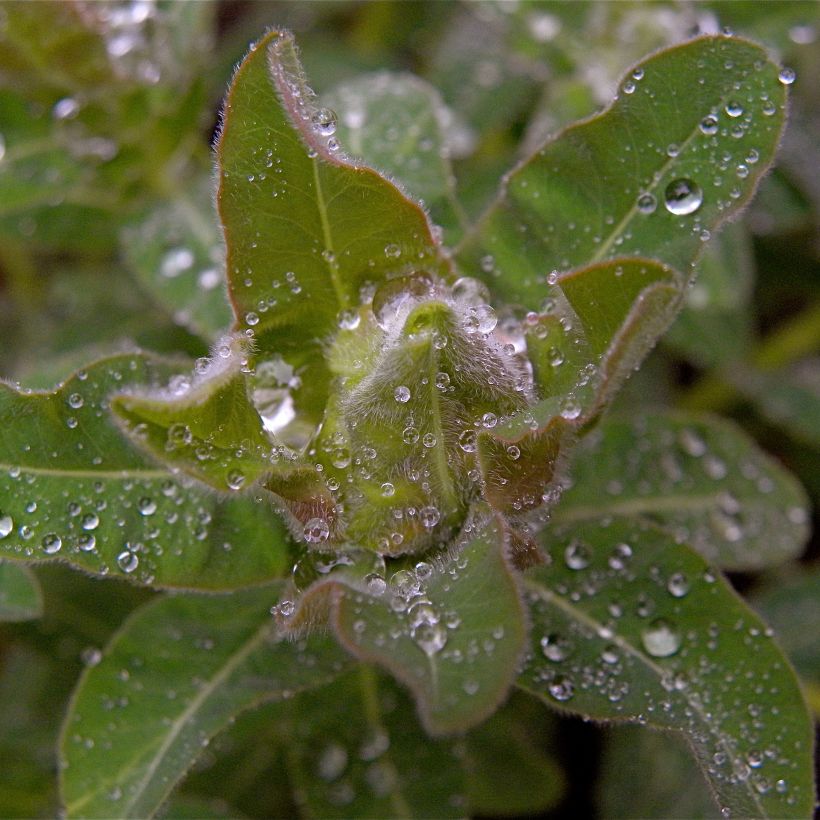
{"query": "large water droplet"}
pixel 128 561
pixel 787 75
pixel 576 556
pixel 431 638
pixel 678 585
pixel 429 517
pixel 324 121
pixel 6 524
pixel 561 688
pixel 316 531
pixel 556 648
pixel 402 394
pixel 52 543
pixel 661 639
pixel 682 197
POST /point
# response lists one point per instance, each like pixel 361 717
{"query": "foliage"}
pixel 371 526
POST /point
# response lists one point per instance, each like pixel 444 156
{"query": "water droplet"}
pixel 146 506
pixel 6 525
pixel 570 409
pixel 754 758
pixel 682 197
pixel 621 554
pixel 429 440
pixel 734 109
pixel 251 319
pixel 678 585
pixel 647 203
pixel 442 381
pixel 556 648
pixel 787 75
pixel 489 420
pixel 332 762
pixel 429 517
pixel 90 656
pixel 410 435
pixel 561 688
pixel 128 561
pixel 348 320
pixel 388 489
pixel 235 479
pixel 316 531
pixel 175 262
pixel 52 543
pixel 468 441
pixel 376 585
pixel 660 639
pixel 324 121
pixel 577 556
pixel 402 394
pixel 75 401
pixel 65 109
pixel 431 638
pixel 392 251
pixel 709 125
pixel 86 542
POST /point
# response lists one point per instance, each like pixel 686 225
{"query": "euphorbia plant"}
pixel 397 463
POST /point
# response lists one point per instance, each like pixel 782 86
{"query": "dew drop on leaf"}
pixel 683 197
pixel 410 435
pixel 561 688
pixel 52 543
pixel 468 441
pixel 402 394
pixel 647 203
pixel 709 125
pixel 576 556
pixel 128 561
pixel 6 525
pixel 787 75
pixel 678 585
pixel 147 506
pixel 236 478
pixel 316 531
pixel 90 521
pixel 324 122
pixel 429 517
pixel 556 648
pixel 661 639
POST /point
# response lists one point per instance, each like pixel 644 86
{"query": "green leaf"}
pixel 788 398
pixel 176 253
pixel 73 489
pixel 305 229
pixel 399 124
pixel 356 751
pixel 628 625
pixel 176 674
pixel 644 178
pixel 790 605
pixel 715 326
pixel 701 478
pixel 509 773
pixel 205 425
pixel 450 628
pixel 595 327
pixel 651 775
pixel 20 596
